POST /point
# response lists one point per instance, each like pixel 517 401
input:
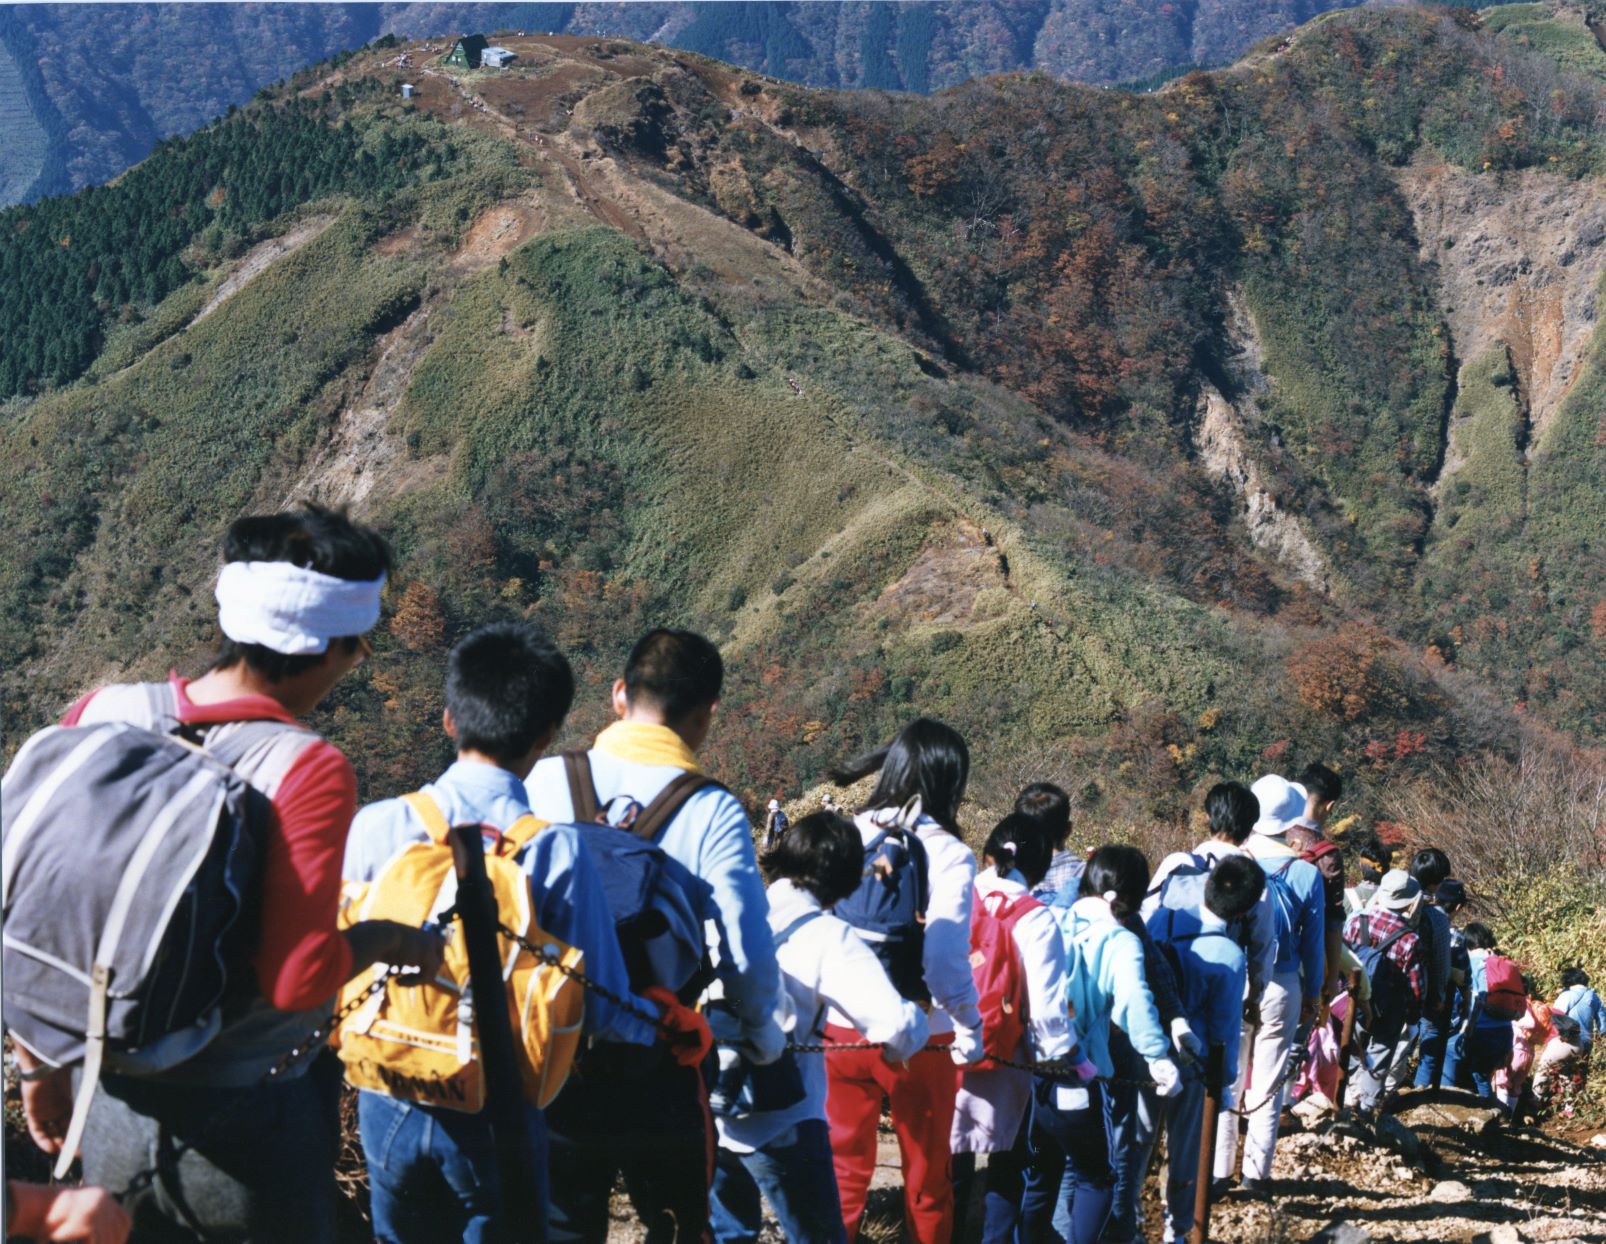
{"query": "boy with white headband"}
pixel 257 1160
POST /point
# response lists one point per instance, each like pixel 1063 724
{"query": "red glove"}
pixel 683 1028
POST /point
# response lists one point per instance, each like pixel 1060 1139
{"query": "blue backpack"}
pixel 888 910
pixel 1285 907
pixel 659 906
pixel 1391 989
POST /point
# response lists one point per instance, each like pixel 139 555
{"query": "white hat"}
pixel 1282 805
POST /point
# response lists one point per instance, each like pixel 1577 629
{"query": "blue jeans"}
pixel 1184 1115
pixel 1134 1115
pixel 1003 1184
pixel 1433 1040
pixel 1482 1050
pixel 794 1173
pixel 1068 1138
pixel 432 1173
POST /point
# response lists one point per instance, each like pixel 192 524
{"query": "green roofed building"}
pixel 465 53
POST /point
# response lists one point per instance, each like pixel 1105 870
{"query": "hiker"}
pixel 1385 938
pixel 1374 857
pixel 1530 1033
pixel 1212 972
pixel 432 1170
pixel 1484 1043
pixel 53 1212
pixel 1105 987
pixel 775 824
pixel 1429 868
pixel 1052 806
pixel 1583 1004
pixel 1443 898
pixel 1296 895
pixel 916 861
pixel 1018 959
pixel 773 1136
pixel 647 1117
pixel 1323 790
pixel 296 593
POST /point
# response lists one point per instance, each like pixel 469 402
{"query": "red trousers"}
pixel 921 1094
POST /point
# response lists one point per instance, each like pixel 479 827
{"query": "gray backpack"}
pixel 130 860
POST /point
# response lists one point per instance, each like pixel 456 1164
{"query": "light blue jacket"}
pixel 1214 969
pixel 1584 1005
pixel 711 836
pixel 1302 924
pixel 567 893
pixel 1105 984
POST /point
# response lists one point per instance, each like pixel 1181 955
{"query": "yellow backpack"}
pixel 416 1041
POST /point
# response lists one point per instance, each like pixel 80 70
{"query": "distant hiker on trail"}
pixel 295 595
pixel 773 1134
pixel 1297 897
pixel 775 824
pixel 1484 1042
pixel 1443 896
pixel 1106 989
pixel 1583 1004
pixel 916 862
pixel 1374 857
pixel 648 1117
pixel 1052 806
pixel 432 1170
pixel 1018 959
pixel 1323 790
pixel 1213 973
pixel 1386 940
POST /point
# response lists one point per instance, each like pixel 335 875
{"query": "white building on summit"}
pixel 497 57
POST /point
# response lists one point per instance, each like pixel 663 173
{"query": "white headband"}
pixel 292 609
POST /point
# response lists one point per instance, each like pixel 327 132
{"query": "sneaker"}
pixel 1258 1189
pixel 1220 1186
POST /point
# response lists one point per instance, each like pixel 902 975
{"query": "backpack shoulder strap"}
pixel 523 830
pixel 785 935
pixel 430 813
pixel 582 786
pixel 668 802
pixel 1383 946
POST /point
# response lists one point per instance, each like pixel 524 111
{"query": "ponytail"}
pixel 1020 842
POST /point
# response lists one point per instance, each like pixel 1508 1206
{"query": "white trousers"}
pixel 1261 1055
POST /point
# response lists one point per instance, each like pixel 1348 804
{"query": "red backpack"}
pixel 1000 978
pixel 1504 997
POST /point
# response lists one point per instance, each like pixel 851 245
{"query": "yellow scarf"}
pixel 638 742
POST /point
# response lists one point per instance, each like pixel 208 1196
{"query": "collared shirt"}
pixel 564 886
pixel 709 835
pixel 1064 872
pixel 1405 953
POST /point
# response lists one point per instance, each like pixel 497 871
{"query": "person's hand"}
pixel 1167 1079
pixel 1252 1013
pixel 1309 1005
pixel 1190 1049
pixel 400 945
pixel 764 1045
pixel 47 1105
pixel 683 1029
pixel 89 1215
pixel 967 1048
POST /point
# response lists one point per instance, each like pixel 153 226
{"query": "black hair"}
pixel 1370 847
pixel 1530 985
pixel 677 672
pixel 1574 976
pixel 925 758
pixel 1119 868
pixel 822 853
pixel 312 536
pixel 1478 935
pixel 1049 804
pixel 1430 866
pixel 506 685
pixel 1234 887
pixel 1322 782
pixel 1022 842
pixel 1232 810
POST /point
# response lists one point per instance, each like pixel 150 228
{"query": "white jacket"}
pixel 825 966
pixel 950 882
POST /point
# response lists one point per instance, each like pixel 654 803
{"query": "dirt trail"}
pixel 260 257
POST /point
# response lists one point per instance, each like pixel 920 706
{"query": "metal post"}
pixel 1346 1037
pixel 504 1090
pixel 1215 1077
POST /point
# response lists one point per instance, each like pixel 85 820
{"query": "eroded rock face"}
pixel 1520 257
pixel 1224 453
